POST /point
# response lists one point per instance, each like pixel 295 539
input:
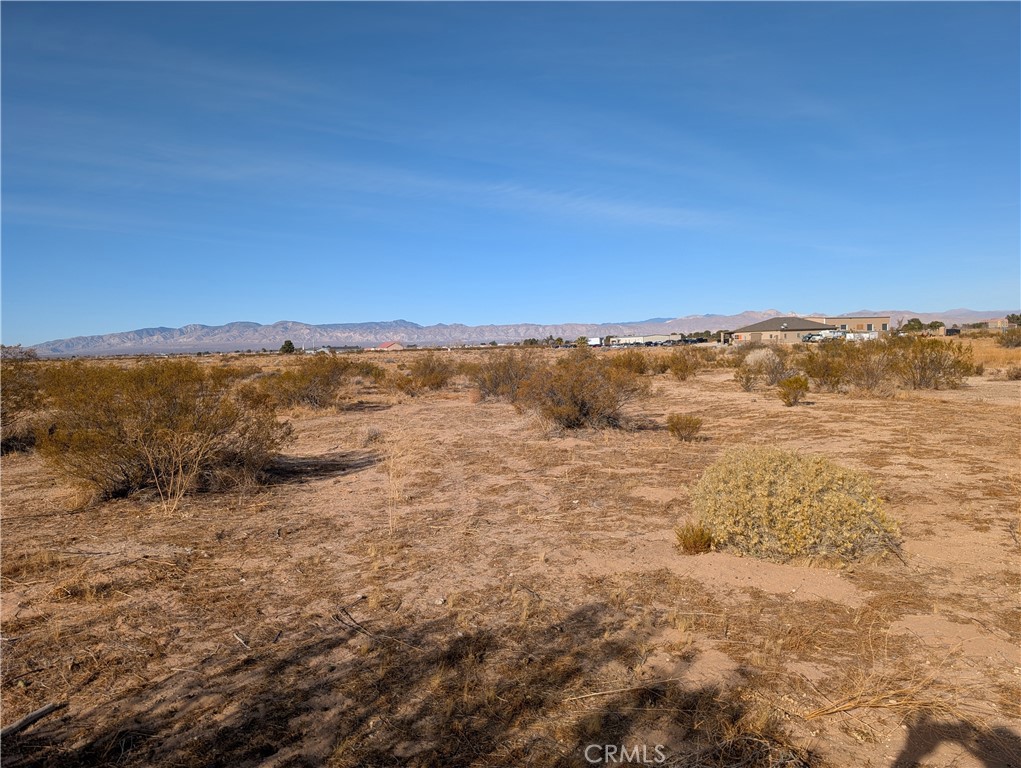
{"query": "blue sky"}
pixel 175 163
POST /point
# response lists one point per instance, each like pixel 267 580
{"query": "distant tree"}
pixel 581 341
pixel 530 342
pixel 493 344
pixel 1014 319
pixel 558 342
pixel 287 348
pixel 914 324
pixel 935 325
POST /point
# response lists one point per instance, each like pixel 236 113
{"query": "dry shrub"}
pixel 171 425
pixel 1014 373
pixel 683 364
pixel 630 360
pixel 431 371
pixel 314 382
pixel 738 353
pixel 772 364
pixel 20 397
pixel 581 390
pixel 683 426
pixel 777 366
pixel 780 505
pixel 694 538
pixel 869 365
pixel 747 375
pixel 503 374
pixel 826 365
pixel 1011 338
pixel 792 389
pixel 931 363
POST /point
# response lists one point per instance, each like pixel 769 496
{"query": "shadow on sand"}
pixel 993 748
pixel 426 694
pixel 291 470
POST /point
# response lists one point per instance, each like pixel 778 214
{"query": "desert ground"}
pixel 442 581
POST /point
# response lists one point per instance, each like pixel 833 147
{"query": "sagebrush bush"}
pixel 631 360
pixel 581 390
pixel 931 363
pixel 777 366
pixel 503 374
pixel 314 382
pixel 780 505
pixel 869 365
pixel 171 425
pixel 1013 373
pixel 772 364
pixel 825 364
pixel 694 538
pixel 1010 338
pixel 428 371
pixel 747 375
pixel 432 371
pixel 793 389
pixel 20 397
pixel 683 426
pixel 683 364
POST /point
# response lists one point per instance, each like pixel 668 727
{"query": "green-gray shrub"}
pixel 932 363
pixel 780 505
pixel 502 374
pixel 792 389
pixel 20 397
pixel 581 390
pixel 683 426
pixel 172 425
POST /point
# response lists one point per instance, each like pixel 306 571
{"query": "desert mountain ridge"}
pixel 251 335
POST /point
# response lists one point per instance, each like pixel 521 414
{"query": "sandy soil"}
pixel 437 581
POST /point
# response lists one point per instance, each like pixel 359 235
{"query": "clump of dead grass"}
pixel 683 426
pixel 694 538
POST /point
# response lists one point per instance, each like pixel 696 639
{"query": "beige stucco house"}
pixel 856 323
pixel 779 330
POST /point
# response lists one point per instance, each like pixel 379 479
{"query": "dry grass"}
pixel 694 538
pixel 988 352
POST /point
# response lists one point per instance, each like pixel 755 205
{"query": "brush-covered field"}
pixel 427 574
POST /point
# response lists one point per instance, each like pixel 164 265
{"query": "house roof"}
pixel 388 344
pixel 786 324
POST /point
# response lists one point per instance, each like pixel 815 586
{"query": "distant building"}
pixel 653 338
pixel 779 330
pixel 866 323
pixel 390 346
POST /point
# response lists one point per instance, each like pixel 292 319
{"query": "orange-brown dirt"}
pixel 432 580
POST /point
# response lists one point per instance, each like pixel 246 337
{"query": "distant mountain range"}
pixel 254 336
